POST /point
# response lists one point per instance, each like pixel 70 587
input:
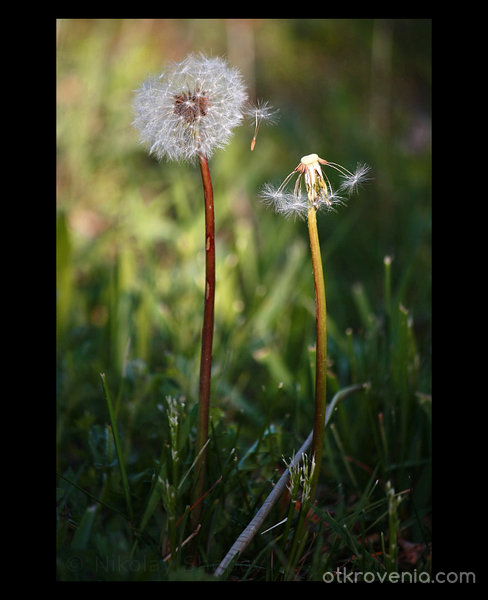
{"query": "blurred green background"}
pixel 130 230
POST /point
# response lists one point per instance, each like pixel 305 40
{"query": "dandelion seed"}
pixel 190 109
pixel 259 112
pixel 353 180
pixel 287 204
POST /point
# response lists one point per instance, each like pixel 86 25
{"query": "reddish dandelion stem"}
pixel 207 339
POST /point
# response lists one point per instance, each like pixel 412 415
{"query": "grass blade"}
pixel 118 449
pixel 83 531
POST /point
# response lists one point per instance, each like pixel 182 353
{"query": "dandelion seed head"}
pixel 190 109
pixel 320 193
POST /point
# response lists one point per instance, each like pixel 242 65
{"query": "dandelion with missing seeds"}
pixel 185 114
pixel 319 195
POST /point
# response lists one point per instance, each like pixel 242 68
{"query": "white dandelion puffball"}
pixel 190 109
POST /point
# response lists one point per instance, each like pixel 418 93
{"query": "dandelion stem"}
pixel 321 348
pixel 207 339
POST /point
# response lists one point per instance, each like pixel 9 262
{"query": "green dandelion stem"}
pixel 321 348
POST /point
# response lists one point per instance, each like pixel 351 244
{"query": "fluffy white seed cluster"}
pixel 288 204
pixel 190 109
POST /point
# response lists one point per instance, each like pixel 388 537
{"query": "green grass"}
pixel 130 285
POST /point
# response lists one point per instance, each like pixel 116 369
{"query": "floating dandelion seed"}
pixel 259 112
